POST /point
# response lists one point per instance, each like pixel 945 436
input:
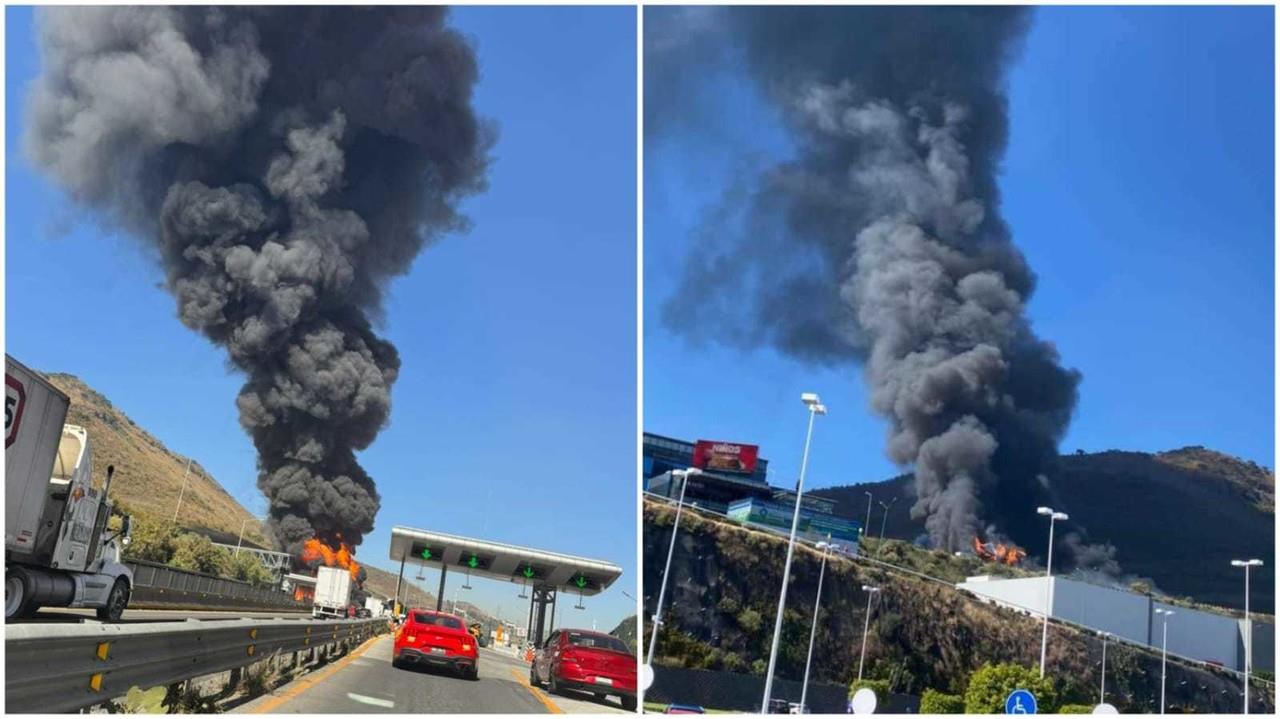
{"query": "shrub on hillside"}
pixel 1075 709
pixel 991 684
pixel 935 702
pixel 879 686
pixel 196 553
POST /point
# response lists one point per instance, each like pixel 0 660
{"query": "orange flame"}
pixel 314 550
pixel 1002 553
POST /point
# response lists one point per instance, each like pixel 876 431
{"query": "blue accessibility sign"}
pixel 1020 701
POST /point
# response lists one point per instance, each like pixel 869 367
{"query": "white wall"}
pixel 1194 634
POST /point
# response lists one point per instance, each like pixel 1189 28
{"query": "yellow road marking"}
pixel 537 693
pixel 306 683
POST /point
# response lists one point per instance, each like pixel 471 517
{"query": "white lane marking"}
pixel 371 701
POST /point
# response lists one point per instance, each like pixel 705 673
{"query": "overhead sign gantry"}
pixel 544 573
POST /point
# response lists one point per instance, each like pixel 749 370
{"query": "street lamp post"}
pixel 1248 625
pixel 884 521
pixel 866 626
pixel 867 526
pixel 240 539
pixel 1164 651
pixel 1048 583
pixel 813 630
pixel 815 408
pixel 1102 692
pixel 675 529
pixel 182 491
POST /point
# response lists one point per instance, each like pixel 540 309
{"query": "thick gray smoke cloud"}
pixel 880 240
pixel 285 162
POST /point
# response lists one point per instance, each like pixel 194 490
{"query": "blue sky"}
pixel 1138 182
pixel 514 415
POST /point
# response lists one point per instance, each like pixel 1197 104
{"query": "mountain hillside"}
pixel 1177 518
pixel 148 474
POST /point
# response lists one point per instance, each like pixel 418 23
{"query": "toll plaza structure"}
pixel 541 575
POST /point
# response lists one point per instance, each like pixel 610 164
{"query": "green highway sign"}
pixel 473 562
pixel 427 552
pixel 581 581
pixel 528 572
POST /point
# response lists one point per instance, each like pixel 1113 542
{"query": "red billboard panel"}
pixel 725 456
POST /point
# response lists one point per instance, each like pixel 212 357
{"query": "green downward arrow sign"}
pixel 581 581
pixel 528 572
pixel 473 562
pixel 426 554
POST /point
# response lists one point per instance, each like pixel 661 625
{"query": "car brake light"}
pixel 410 638
pixel 569 657
pixel 466 647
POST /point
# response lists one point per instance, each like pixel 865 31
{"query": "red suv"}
pixel 586 661
pixel 437 639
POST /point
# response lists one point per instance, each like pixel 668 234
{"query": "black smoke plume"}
pixel 880 241
pixel 285 163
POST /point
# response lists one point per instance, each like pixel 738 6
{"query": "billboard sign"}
pixel 725 456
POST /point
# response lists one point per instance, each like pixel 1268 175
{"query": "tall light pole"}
pixel 675 529
pixel 182 491
pixel 866 626
pixel 815 408
pixel 1164 652
pixel 884 521
pixel 1102 692
pixel 867 526
pixel 1048 582
pixel 813 630
pixel 1248 625
pixel 240 539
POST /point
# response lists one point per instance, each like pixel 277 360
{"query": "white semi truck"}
pixel 58 550
pixel 333 592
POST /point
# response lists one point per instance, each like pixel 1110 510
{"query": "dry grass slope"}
pixel 148 474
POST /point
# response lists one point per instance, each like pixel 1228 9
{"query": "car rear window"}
pixel 597 641
pixel 438 620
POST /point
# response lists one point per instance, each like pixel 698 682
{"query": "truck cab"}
pixel 58 548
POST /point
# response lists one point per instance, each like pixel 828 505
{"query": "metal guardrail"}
pixel 158 586
pixel 66 667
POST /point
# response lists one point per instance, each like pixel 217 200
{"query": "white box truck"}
pixel 333 592
pixel 58 550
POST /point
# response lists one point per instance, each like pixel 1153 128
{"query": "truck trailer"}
pixel 333 592
pixel 59 551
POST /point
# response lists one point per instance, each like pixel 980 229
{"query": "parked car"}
pixel 436 639
pixel 684 709
pixel 577 659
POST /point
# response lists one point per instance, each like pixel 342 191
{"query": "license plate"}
pixel 605 681
pixel 437 650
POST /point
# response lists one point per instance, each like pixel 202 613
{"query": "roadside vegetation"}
pixel 160 541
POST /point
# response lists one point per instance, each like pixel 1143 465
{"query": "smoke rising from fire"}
pixel 880 239
pixel 284 164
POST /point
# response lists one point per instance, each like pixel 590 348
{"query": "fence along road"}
pixel 68 667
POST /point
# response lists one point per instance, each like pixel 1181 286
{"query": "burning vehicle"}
pixel 999 552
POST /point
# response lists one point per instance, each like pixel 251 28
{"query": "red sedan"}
pixel 436 639
pixel 586 661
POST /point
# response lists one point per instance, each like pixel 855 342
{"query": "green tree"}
pixel 1075 709
pixel 150 540
pixel 879 686
pixel 935 702
pixel 195 553
pixel 991 684
pixel 247 568
pixel 750 620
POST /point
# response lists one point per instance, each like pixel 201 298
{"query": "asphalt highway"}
pixel 366 683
